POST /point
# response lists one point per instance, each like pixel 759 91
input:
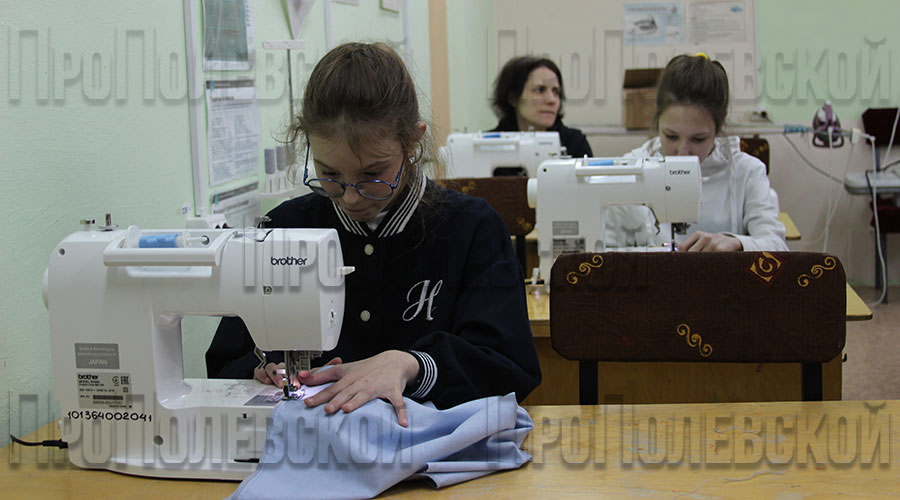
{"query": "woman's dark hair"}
pixel 511 82
pixel 693 81
pixel 362 93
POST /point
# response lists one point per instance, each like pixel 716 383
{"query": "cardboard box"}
pixel 639 97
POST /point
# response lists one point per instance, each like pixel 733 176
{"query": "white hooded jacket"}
pixel 735 197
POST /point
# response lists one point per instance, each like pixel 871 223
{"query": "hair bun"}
pixel 703 55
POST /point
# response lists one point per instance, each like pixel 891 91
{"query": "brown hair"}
pixel 693 81
pixel 362 93
pixel 511 82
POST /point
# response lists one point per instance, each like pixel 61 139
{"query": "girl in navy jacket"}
pixel 436 307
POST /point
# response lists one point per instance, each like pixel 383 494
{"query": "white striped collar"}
pixel 396 221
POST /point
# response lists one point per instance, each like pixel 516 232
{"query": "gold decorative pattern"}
pixel 585 269
pixel 694 340
pixel 766 267
pixel 468 189
pixel 817 271
pixel 525 225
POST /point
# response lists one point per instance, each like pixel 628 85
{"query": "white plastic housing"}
pixel 571 196
pixel 115 312
pixel 480 154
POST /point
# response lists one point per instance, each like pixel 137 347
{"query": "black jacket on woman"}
pixel 574 140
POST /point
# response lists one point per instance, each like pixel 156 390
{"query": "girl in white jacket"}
pixel 737 211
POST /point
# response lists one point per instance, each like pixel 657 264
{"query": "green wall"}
pixel 77 146
pixel 472 60
pixel 816 50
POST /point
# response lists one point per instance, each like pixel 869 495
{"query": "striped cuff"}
pixel 427 375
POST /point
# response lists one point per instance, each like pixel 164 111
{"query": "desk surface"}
pixel 539 310
pixel 884 182
pixel 791 233
pixel 734 450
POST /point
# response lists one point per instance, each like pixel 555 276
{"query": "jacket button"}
pixel 369 249
pixel 365 315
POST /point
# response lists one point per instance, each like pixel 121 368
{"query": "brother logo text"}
pixel 289 261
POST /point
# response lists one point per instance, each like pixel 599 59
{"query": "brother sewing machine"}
pixel 486 154
pixel 116 299
pixel 571 198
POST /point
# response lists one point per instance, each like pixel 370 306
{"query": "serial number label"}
pixel 104 391
pixel 109 415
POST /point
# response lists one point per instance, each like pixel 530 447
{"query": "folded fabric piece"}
pixel 360 454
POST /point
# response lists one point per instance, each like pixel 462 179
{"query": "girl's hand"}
pixel 710 242
pixel 271 374
pixel 384 376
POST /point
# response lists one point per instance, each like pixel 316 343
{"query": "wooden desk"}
pixel 675 382
pixel 737 450
pixel 791 232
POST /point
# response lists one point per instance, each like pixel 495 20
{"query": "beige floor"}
pixel 872 368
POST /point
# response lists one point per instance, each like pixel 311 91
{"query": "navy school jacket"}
pixel 438 278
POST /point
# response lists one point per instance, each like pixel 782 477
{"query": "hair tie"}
pixel 703 55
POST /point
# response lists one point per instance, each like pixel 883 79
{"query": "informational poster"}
pixel 240 206
pixel 717 21
pixel 659 23
pixel 227 35
pixel 232 130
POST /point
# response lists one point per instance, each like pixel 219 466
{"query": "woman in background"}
pixel 528 95
pixel 737 211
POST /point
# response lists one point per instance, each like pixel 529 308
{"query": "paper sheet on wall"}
pixel 659 23
pixel 240 206
pixel 227 35
pixel 297 12
pixel 717 21
pixel 232 130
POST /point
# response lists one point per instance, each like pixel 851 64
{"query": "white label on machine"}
pixel 565 228
pixel 94 356
pixel 567 245
pixel 104 390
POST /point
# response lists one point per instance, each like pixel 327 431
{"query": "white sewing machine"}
pixel 571 198
pixel 486 154
pixel 116 299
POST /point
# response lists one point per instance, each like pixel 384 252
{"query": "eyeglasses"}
pixel 331 188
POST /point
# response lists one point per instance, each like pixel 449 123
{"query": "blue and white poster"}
pixel 658 23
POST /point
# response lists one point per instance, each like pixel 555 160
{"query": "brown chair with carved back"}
pixel 508 195
pixel 729 307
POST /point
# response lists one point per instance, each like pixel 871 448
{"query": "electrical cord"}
pixel 817 169
pixel 830 191
pixel 832 203
pixel 890 165
pixel 878 249
pixel 831 207
pixel 887 153
pixel 53 443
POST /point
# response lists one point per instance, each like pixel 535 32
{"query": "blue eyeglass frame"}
pixel 307 180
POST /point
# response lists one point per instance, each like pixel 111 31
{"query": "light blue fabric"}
pixel 360 454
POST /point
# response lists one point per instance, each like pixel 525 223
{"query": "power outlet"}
pixel 759 114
